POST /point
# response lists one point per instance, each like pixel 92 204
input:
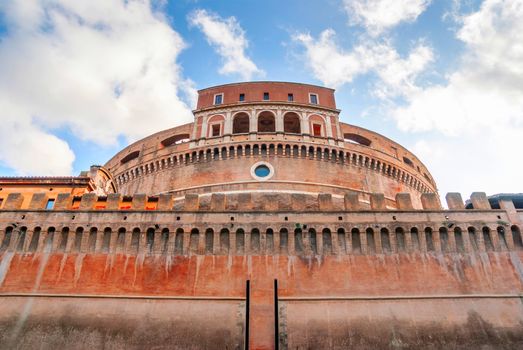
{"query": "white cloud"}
pixel 335 66
pixel 102 68
pixel 228 38
pixel 478 112
pixel 378 16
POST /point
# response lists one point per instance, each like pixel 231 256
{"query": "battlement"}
pixel 271 201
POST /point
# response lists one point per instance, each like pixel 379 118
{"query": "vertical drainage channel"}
pixel 247 312
pixel 276 317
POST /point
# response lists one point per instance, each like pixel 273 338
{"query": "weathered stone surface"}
pixel 377 201
pixel 352 201
pixel 403 201
pixel 165 201
pixel 13 201
pixel 88 201
pixel 479 200
pixel 430 201
pixel 192 202
pixel 218 202
pixel 63 201
pixel 38 201
pixel 454 201
pixel 113 201
pixel 325 201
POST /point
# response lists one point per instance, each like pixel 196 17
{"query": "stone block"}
pixel 113 201
pixel 38 201
pixel 298 201
pixel 217 202
pixel 192 202
pixel 377 201
pixel 165 201
pixel 139 201
pixel 63 201
pixel 454 201
pixel 479 201
pixel 325 202
pixel 244 201
pixel 352 201
pixel 284 202
pixel 507 204
pixel 271 201
pixel 429 201
pixel 88 201
pixel 13 201
pixel 404 201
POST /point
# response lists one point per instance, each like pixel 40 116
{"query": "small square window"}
pixel 216 130
pixel 290 97
pixel 242 97
pixel 316 129
pixel 313 99
pixel 218 99
pixel 50 204
pixel 266 96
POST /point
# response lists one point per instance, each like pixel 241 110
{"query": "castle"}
pixel 265 224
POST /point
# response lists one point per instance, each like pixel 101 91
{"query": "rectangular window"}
pixel 266 96
pixel 290 97
pixel 218 99
pixel 216 130
pixel 242 97
pixel 1 202
pixel 50 204
pixel 316 129
pixel 313 98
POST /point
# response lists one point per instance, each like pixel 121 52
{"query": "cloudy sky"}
pixel 79 80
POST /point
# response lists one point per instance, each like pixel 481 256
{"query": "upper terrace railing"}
pixel 263 149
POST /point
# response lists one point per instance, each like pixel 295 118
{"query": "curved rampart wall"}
pixel 219 166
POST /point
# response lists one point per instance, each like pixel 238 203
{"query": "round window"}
pixel 262 171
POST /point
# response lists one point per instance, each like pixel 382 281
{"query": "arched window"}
pixel 178 242
pixel 224 241
pixel 240 241
pixel 255 241
pixel 385 241
pixel 175 140
pixel 342 242
pixel 209 241
pixel 291 123
pixel 371 245
pixel 516 237
pixel 458 237
pixel 240 123
pixel 356 241
pixel 327 241
pixel 193 240
pixel 284 241
pixel 266 122
pixel 444 239
pixel 414 238
pixel 487 239
pixel 120 240
pixel 473 238
pixel 502 238
pixel 400 240
pixel 429 239
pixel 356 139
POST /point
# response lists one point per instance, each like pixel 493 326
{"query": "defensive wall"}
pixel 267 272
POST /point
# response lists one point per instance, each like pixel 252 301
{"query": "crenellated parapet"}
pixel 269 201
pixel 257 224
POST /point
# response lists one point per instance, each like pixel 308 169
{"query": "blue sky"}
pixel 443 78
